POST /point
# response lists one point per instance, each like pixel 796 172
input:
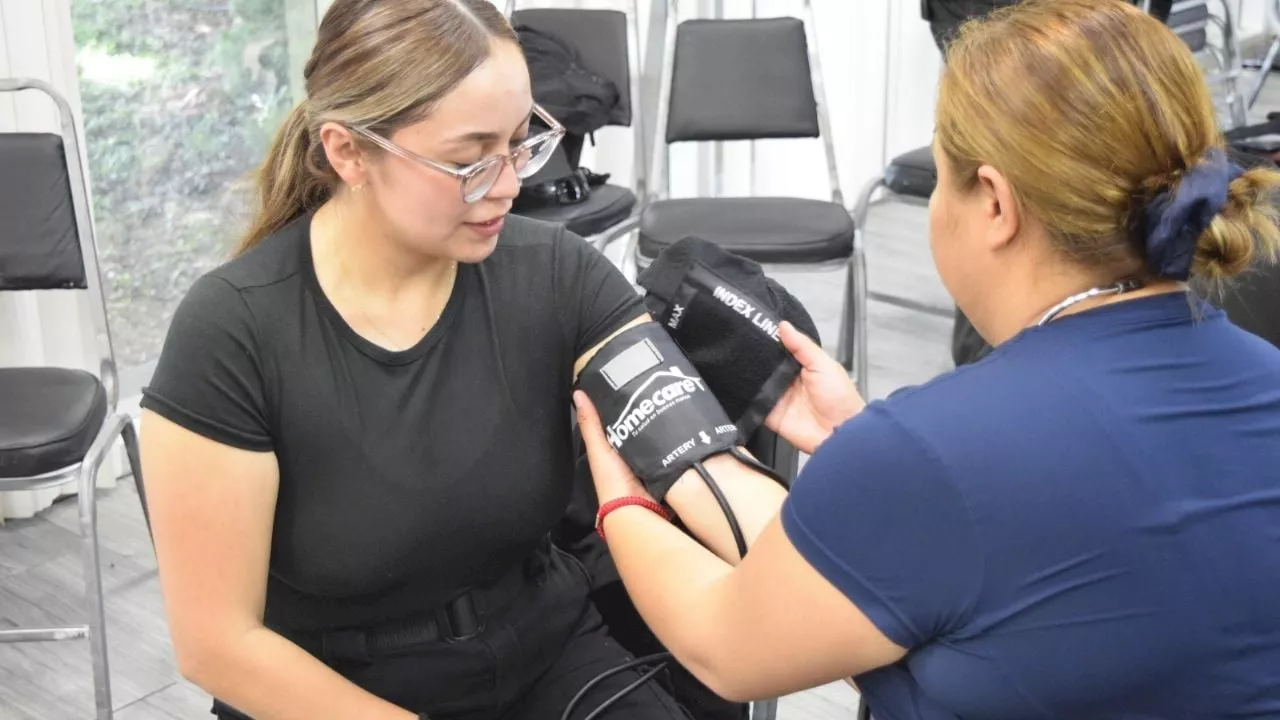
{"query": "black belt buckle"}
pixel 462 620
pixel 348 644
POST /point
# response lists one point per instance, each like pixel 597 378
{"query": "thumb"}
pixel 802 347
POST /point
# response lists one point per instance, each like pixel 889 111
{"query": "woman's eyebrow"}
pixel 484 136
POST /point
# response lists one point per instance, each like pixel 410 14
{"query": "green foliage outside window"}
pixel 180 100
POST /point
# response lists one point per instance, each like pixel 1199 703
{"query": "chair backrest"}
pixel 39 237
pixel 755 79
pixel 741 80
pixel 599 37
pixel 46 229
pixel 1189 20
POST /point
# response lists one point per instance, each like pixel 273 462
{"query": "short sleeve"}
pixel 876 513
pixel 208 378
pixel 593 296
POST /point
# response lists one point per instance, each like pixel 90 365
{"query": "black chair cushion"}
pixel 39 244
pixel 48 418
pixel 912 174
pixel 767 230
pixel 607 206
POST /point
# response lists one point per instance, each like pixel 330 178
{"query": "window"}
pixel 180 101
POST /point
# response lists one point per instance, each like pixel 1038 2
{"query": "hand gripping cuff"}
pixel 657 411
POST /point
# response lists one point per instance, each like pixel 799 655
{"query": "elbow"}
pixel 721 676
pixel 195 661
pixel 203 660
pixel 724 683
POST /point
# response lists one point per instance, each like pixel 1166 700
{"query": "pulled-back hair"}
pixel 1092 109
pixel 376 63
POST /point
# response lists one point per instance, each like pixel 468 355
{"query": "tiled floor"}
pixel 40 563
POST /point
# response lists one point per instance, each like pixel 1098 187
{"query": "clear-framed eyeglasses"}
pixel 479 178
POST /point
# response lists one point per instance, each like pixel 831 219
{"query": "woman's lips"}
pixel 489 227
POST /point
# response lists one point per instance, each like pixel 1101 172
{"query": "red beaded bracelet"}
pixel 616 503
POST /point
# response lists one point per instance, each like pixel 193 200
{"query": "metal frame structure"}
pixel 853 316
pixel 874 193
pixel 1269 61
pixel 115 425
pixel 1227 54
pixel 640 180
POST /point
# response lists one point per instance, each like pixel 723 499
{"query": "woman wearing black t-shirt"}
pixel 357 438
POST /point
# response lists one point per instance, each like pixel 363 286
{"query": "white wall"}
pixel 1252 17
pixel 41 328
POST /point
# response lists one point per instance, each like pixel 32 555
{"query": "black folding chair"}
pixel 605 40
pixel 756 79
pixel 57 424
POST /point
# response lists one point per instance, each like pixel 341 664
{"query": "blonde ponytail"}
pixel 291 181
pixel 1245 231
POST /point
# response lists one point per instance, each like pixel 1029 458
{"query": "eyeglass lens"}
pixel 530 160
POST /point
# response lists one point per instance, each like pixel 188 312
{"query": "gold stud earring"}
pixel 357 188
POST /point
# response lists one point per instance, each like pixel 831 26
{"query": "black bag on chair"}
pixel 578 99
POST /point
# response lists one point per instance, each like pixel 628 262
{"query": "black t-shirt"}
pixel 404 476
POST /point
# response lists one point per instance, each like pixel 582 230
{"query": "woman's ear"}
pixel 343 154
pixel 1000 209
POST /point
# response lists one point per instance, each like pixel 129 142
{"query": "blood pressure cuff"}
pixel 724 313
pixel 657 411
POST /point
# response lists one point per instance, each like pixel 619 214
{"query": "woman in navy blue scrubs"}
pixel 1085 523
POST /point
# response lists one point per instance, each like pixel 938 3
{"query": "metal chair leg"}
pixel 857 286
pixel 1264 72
pixel 848 320
pixel 129 434
pixel 95 600
pixel 857 298
pixel 93 590
pixel 764 710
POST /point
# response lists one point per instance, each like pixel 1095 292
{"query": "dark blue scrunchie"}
pixel 1175 219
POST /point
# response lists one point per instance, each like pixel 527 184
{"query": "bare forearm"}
pixel 268 677
pixel 754 498
pixel 672 580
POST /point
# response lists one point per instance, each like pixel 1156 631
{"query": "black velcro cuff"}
pixel 724 313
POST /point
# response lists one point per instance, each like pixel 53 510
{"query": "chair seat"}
pixel 912 174
pixel 607 206
pixel 766 230
pixel 48 419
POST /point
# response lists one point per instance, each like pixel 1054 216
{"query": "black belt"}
pixel 462 618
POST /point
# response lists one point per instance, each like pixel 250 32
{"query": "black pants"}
pixel 527 664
